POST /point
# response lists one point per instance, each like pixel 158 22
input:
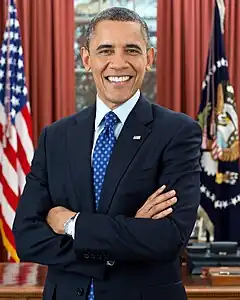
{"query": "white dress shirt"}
pixel 122 111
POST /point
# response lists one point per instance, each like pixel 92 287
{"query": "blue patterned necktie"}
pixel 101 155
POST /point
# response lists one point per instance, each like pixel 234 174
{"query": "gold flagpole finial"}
pixel 221 7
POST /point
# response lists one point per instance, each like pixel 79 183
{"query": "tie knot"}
pixel 110 119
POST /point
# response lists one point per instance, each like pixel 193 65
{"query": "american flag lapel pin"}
pixel 136 137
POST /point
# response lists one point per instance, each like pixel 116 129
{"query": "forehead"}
pixel 118 33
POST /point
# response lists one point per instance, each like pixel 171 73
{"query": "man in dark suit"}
pixel 97 205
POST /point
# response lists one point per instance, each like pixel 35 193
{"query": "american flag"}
pixel 220 185
pixel 16 146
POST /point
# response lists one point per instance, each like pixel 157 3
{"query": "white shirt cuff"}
pixel 72 226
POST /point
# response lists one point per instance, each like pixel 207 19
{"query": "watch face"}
pixel 66 226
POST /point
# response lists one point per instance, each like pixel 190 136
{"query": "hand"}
pixel 157 205
pixel 56 218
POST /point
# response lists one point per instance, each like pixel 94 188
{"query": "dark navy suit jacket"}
pixel 145 251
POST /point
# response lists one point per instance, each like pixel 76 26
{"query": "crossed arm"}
pixel 141 238
pixel 157 206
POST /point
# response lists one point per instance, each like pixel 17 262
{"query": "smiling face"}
pixel 118 58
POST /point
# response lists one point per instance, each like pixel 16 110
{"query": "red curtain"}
pixel 183 33
pixel 3 12
pixel 47 29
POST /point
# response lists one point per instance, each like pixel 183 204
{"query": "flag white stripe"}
pixel 10 174
pixel 7 211
pixel 21 177
pixel 28 107
pixel 2 114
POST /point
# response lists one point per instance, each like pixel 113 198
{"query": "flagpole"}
pixel 7 102
pixel 205 137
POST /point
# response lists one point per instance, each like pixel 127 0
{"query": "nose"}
pixel 118 61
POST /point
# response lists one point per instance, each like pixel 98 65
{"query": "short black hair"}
pixel 117 14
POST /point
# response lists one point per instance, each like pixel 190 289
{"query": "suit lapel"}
pixel 79 144
pixel 125 149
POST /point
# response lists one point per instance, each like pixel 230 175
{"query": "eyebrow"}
pixel 104 46
pixel 135 46
pixel 109 46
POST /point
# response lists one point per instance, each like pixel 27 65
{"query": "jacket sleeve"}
pixel 35 240
pixel 123 238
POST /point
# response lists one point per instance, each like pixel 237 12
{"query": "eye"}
pixel 105 51
pixel 132 51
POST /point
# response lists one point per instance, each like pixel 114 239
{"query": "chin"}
pixel 121 97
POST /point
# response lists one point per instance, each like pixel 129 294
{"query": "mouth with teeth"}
pixel 118 80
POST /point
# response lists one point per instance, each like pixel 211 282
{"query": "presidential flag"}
pixel 16 147
pixel 220 186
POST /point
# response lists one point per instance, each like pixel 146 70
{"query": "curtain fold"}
pixel 3 15
pixel 183 35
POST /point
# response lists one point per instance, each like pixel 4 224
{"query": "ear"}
pixel 150 58
pixel 86 58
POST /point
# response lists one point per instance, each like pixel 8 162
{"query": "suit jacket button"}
pixel 110 263
pixel 80 291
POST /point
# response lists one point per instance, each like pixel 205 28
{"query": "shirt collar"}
pixel 122 111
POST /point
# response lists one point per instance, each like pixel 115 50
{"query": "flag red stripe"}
pixel 22 157
pixel 27 117
pixel 11 155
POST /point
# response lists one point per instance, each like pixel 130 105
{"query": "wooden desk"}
pixel 194 292
pixel 28 285
pixel 200 289
pixel 21 293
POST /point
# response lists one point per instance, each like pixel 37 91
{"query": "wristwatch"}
pixel 68 226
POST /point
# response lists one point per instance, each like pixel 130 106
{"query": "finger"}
pixel 164 197
pixel 156 198
pixel 146 205
pixel 162 206
pixel 159 199
pixel 158 192
pixel 163 214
